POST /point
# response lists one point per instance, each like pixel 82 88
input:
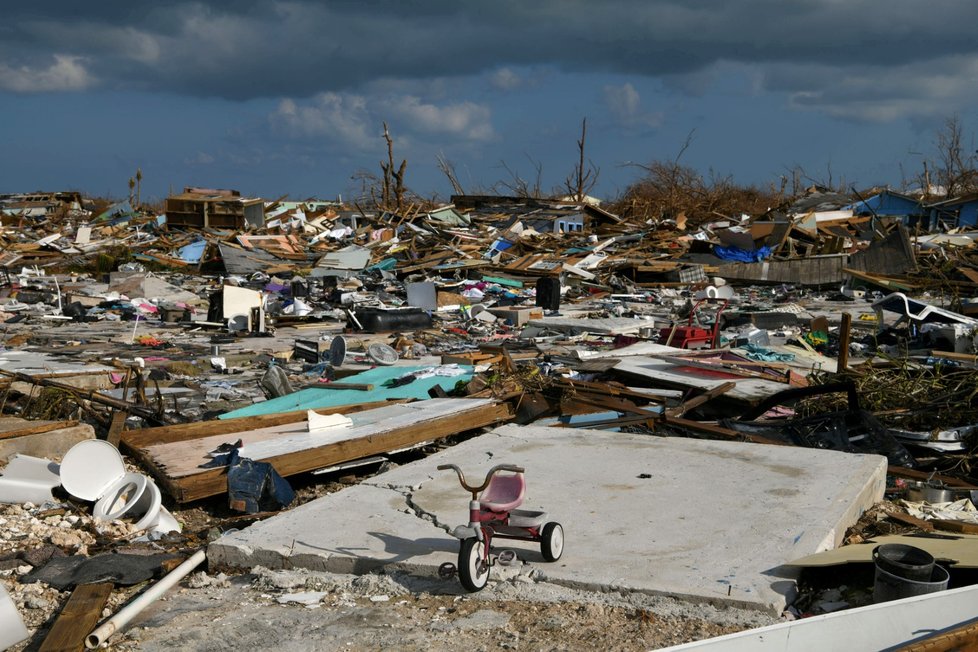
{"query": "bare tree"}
pixel 517 185
pixel 447 168
pixel 392 193
pixel 955 165
pixel 584 177
pixel 139 186
pixel 670 190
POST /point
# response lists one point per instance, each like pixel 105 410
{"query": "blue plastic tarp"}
pixel 741 255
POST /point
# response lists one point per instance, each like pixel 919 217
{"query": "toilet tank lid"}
pixel 90 468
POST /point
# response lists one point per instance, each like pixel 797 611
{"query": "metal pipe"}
pixel 131 610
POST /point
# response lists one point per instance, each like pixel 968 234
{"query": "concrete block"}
pixel 517 316
pixel 52 444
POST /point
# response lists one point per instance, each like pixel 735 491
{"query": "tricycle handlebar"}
pixel 475 490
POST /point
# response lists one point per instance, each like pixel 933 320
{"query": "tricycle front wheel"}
pixel 473 565
pixel 552 541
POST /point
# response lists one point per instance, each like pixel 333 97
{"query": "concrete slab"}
pixel 716 521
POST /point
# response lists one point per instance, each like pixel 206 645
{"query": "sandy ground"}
pixel 381 612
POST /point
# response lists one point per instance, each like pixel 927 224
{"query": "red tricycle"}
pixel 494 514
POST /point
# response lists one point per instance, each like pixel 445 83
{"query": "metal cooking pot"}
pixel 931 492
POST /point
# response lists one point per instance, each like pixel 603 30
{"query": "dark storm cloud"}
pixel 263 48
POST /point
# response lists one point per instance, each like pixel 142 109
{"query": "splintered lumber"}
pixel 697 401
pixel 291 448
pixel 91 395
pixel 80 615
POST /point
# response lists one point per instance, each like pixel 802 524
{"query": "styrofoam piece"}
pixel 28 480
pixel 320 422
pixel 12 628
pixel 90 468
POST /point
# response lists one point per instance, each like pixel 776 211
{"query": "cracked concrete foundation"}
pixel 700 520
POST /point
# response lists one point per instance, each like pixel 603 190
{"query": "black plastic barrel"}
pixel 904 561
pixel 888 586
pixel 400 319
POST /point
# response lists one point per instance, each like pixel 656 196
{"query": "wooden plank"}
pixel 116 427
pixel 607 389
pixel 211 482
pixel 78 618
pixel 907 519
pixel 844 331
pixel 144 437
pixel 362 387
pixel 914 474
pixel 37 430
pixel 719 431
pixel 959 639
pixel 731 367
pixel 955 526
pixel 697 401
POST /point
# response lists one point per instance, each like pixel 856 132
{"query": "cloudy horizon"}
pixel 275 98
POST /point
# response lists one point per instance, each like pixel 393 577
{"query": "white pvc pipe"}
pixel 131 610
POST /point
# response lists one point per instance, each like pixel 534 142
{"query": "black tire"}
pixel 473 570
pixel 552 541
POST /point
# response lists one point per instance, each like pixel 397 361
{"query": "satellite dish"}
pixel 337 351
pixel 382 354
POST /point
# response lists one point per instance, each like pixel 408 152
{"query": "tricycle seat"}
pixel 505 492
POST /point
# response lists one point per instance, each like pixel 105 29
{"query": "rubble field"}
pixel 171 377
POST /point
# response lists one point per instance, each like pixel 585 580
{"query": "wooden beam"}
pixel 116 427
pixel 78 618
pixel 956 526
pixel 913 474
pixel 36 430
pixel 844 331
pixel 144 437
pixel 697 401
pixel 963 638
pixel 719 431
pixel 607 389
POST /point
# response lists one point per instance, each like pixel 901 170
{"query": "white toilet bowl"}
pixel 93 470
pixel 134 496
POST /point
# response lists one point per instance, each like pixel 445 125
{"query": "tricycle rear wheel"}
pixel 552 541
pixel 473 566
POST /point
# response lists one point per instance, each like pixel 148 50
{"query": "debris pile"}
pixel 233 348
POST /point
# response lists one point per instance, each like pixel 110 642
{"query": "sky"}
pixel 277 98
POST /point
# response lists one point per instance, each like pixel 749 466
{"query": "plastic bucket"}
pixel 904 561
pixel 892 587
